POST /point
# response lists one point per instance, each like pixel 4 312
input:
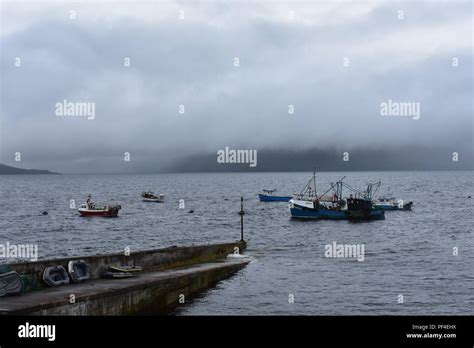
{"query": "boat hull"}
pixel 79 271
pixel 268 198
pixel 320 214
pixel 306 210
pixel 392 207
pixel 365 215
pixel 153 200
pixel 56 276
pixel 99 213
pixel 10 283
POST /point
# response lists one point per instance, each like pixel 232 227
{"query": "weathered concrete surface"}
pixel 149 260
pixel 148 293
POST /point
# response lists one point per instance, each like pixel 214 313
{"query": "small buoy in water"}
pixel 45 212
pixel 191 211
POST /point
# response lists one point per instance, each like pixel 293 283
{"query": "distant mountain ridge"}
pixel 9 170
pixel 388 159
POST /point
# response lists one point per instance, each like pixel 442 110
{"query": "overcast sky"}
pixel 191 61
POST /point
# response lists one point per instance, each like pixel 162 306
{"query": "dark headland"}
pixel 9 170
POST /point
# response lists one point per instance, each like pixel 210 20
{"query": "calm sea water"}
pixel 408 253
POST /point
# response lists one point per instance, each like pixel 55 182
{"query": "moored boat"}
pixel 307 209
pixel 91 209
pixel 10 283
pixel 309 205
pixel 149 196
pixel 120 271
pixel 79 271
pixel 116 275
pixel 363 209
pixel 269 196
pixel 384 203
pixel 55 276
pixel 121 268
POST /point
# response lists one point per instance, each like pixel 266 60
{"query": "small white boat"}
pixel 392 203
pixel 91 209
pixel 149 196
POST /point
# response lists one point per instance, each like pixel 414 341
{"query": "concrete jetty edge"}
pixel 170 277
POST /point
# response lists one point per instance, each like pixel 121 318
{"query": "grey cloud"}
pixel 190 63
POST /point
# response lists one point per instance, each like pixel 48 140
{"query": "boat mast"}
pixel 314 183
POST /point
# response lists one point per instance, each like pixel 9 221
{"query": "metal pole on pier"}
pixel 241 213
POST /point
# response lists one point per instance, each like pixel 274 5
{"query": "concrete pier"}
pixel 170 277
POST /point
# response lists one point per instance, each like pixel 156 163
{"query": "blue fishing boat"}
pixel 358 207
pixel 303 209
pixel 269 196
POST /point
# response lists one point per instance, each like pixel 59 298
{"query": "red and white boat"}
pixel 91 209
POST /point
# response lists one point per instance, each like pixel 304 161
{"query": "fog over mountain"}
pixel 173 82
pixel 361 159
